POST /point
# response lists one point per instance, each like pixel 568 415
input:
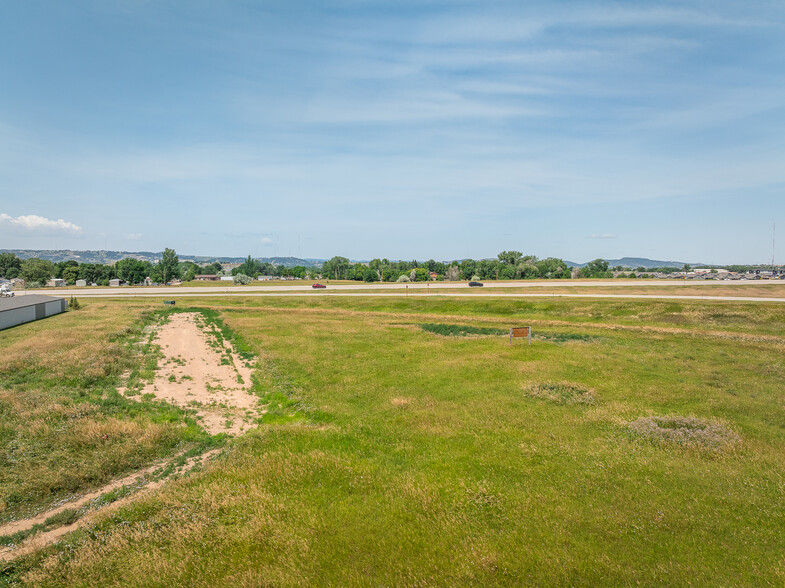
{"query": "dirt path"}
pixel 201 371
pixel 142 480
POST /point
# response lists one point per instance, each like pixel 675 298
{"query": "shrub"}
pixel 241 280
pixel 403 278
pixel 73 304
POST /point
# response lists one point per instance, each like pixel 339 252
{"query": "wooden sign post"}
pixel 521 332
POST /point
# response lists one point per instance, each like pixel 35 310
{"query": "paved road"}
pixel 414 289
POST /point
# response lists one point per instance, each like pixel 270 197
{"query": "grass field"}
pixel 411 456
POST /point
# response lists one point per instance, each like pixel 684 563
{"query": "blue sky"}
pixel 400 129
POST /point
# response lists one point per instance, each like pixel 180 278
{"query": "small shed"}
pixel 27 308
pixel 114 282
pixel 81 283
pixel 56 282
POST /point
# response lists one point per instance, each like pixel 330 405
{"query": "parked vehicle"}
pixel 318 286
pixel 5 291
pixel 475 284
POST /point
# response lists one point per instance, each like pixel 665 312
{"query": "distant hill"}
pixel 633 262
pixel 110 257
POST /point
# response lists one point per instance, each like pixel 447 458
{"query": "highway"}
pixel 456 289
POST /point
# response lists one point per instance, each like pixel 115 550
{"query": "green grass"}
pixel 397 457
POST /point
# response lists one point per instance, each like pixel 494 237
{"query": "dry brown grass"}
pixel 561 392
pixel 688 432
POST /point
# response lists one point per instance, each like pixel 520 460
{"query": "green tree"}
pixel 370 275
pixel 597 268
pixel 37 270
pixel 188 269
pixel 553 268
pixel 70 274
pixel 250 267
pixel 9 261
pixel 420 274
pixel 214 268
pixel 336 267
pixel 510 257
pixel 133 271
pixel 169 266
pixel 60 266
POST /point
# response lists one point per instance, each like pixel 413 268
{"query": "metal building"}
pixel 31 307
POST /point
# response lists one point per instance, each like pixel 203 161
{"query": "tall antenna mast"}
pixel 773 237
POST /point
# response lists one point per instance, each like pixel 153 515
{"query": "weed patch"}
pixel 688 432
pixel 460 330
pixel 561 393
pixel 565 337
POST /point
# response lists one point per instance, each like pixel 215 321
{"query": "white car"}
pixel 5 292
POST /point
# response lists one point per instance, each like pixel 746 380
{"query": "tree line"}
pixel 35 271
pixel 508 265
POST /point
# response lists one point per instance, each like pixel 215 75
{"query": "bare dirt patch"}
pixel 201 371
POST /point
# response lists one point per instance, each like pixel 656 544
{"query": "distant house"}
pixel 17 282
pixel 265 278
pixel 148 281
pixel 114 282
pixel 56 283
pixel 227 278
pixel 81 283
pixel 206 278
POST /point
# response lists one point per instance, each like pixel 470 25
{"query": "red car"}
pixel 318 286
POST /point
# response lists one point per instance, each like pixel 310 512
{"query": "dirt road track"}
pixel 432 289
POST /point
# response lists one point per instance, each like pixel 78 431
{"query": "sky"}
pixel 400 130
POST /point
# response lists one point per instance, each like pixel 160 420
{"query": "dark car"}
pixel 475 284
pixel 318 286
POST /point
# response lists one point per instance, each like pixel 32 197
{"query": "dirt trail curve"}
pixel 144 480
pixel 201 371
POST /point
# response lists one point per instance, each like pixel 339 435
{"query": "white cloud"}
pixel 33 222
pixel 604 236
pixel 266 241
pixel 135 236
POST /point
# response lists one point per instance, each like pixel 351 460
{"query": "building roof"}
pixel 24 300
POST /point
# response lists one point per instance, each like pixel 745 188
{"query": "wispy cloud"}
pixel 135 236
pixel 266 241
pixel 33 222
pixel 604 236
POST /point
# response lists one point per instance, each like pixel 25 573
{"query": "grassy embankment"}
pixel 64 428
pixel 415 458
